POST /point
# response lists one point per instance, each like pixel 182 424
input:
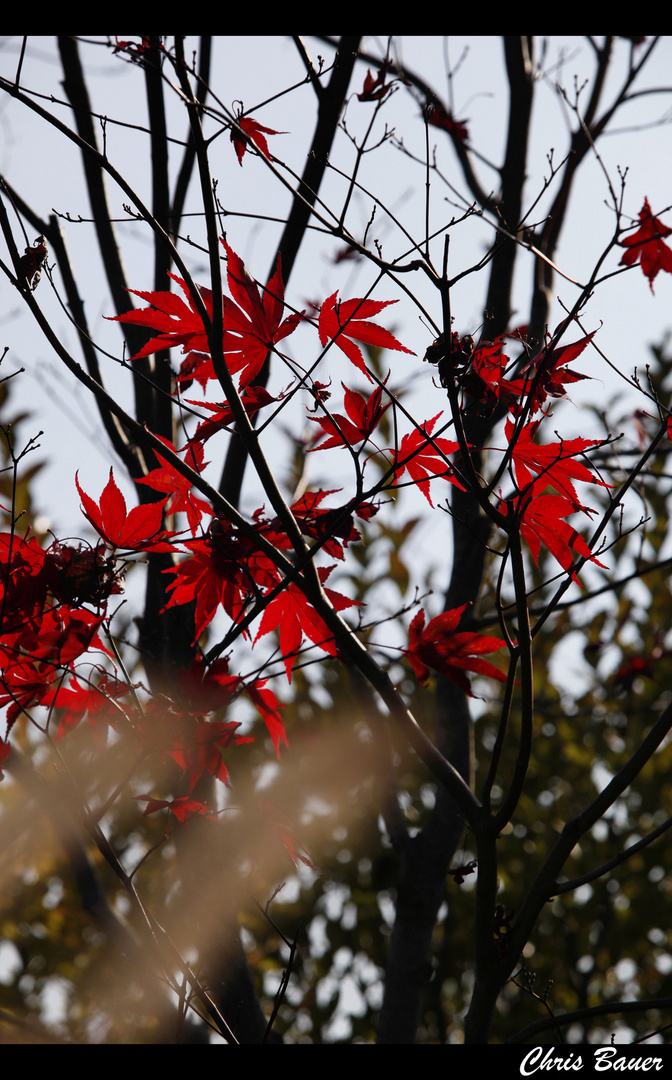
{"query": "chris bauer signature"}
pixel 603 1058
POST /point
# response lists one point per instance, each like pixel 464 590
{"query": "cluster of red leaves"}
pixel 253 324
pixel 647 246
pixel 544 376
pixel 480 372
pixel 44 627
pixel 53 604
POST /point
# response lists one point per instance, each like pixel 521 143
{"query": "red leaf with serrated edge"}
pixel 363 417
pixel 137 530
pixel 269 707
pixel 180 496
pixel 179 324
pixel 253 132
pixel 226 568
pixel 646 246
pixel 545 376
pixel 253 398
pixel 198 747
pixel 252 325
pixel 97 702
pixel 438 116
pixel 551 464
pixel 183 808
pixel 543 523
pixel 207 688
pixel 292 615
pixel 346 321
pixel 440 647
pixel 423 459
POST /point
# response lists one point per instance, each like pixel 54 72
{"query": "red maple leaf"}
pixel 179 324
pixel 204 689
pixel 253 398
pixel 178 488
pixel 226 568
pixel 292 615
pixel 183 808
pixel 197 747
pixel 376 89
pixel 137 530
pixel 437 115
pixel 346 321
pixel 251 132
pixel 329 525
pixel 269 707
pixel 545 375
pixel 424 458
pixel 440 647
pixel 543 524
pixel 363 417
pixel 78 700
pixel 537 466
pixel 646 245
pixel 252 326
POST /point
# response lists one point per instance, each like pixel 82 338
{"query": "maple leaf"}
pixel 251 132
pixel 328 525
pixel 253 325
pixel 178 488
pixel 178 323
pixel 438 116
pixel 183 808
pixel 139 530
pixel 292 614
pixel 376 89
pixel 542 523
pixel 226 568
pixel 363 417
pixel 197 748
pixel 346 321
pixel 25 683
pixel 23 580
pixel 205 689
pixel 538 465
pixel 253 398
pixel 547 374
pixel 78 700
pixel 646 246
pixel 423 458
pixel 440 647
pixel 269 707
